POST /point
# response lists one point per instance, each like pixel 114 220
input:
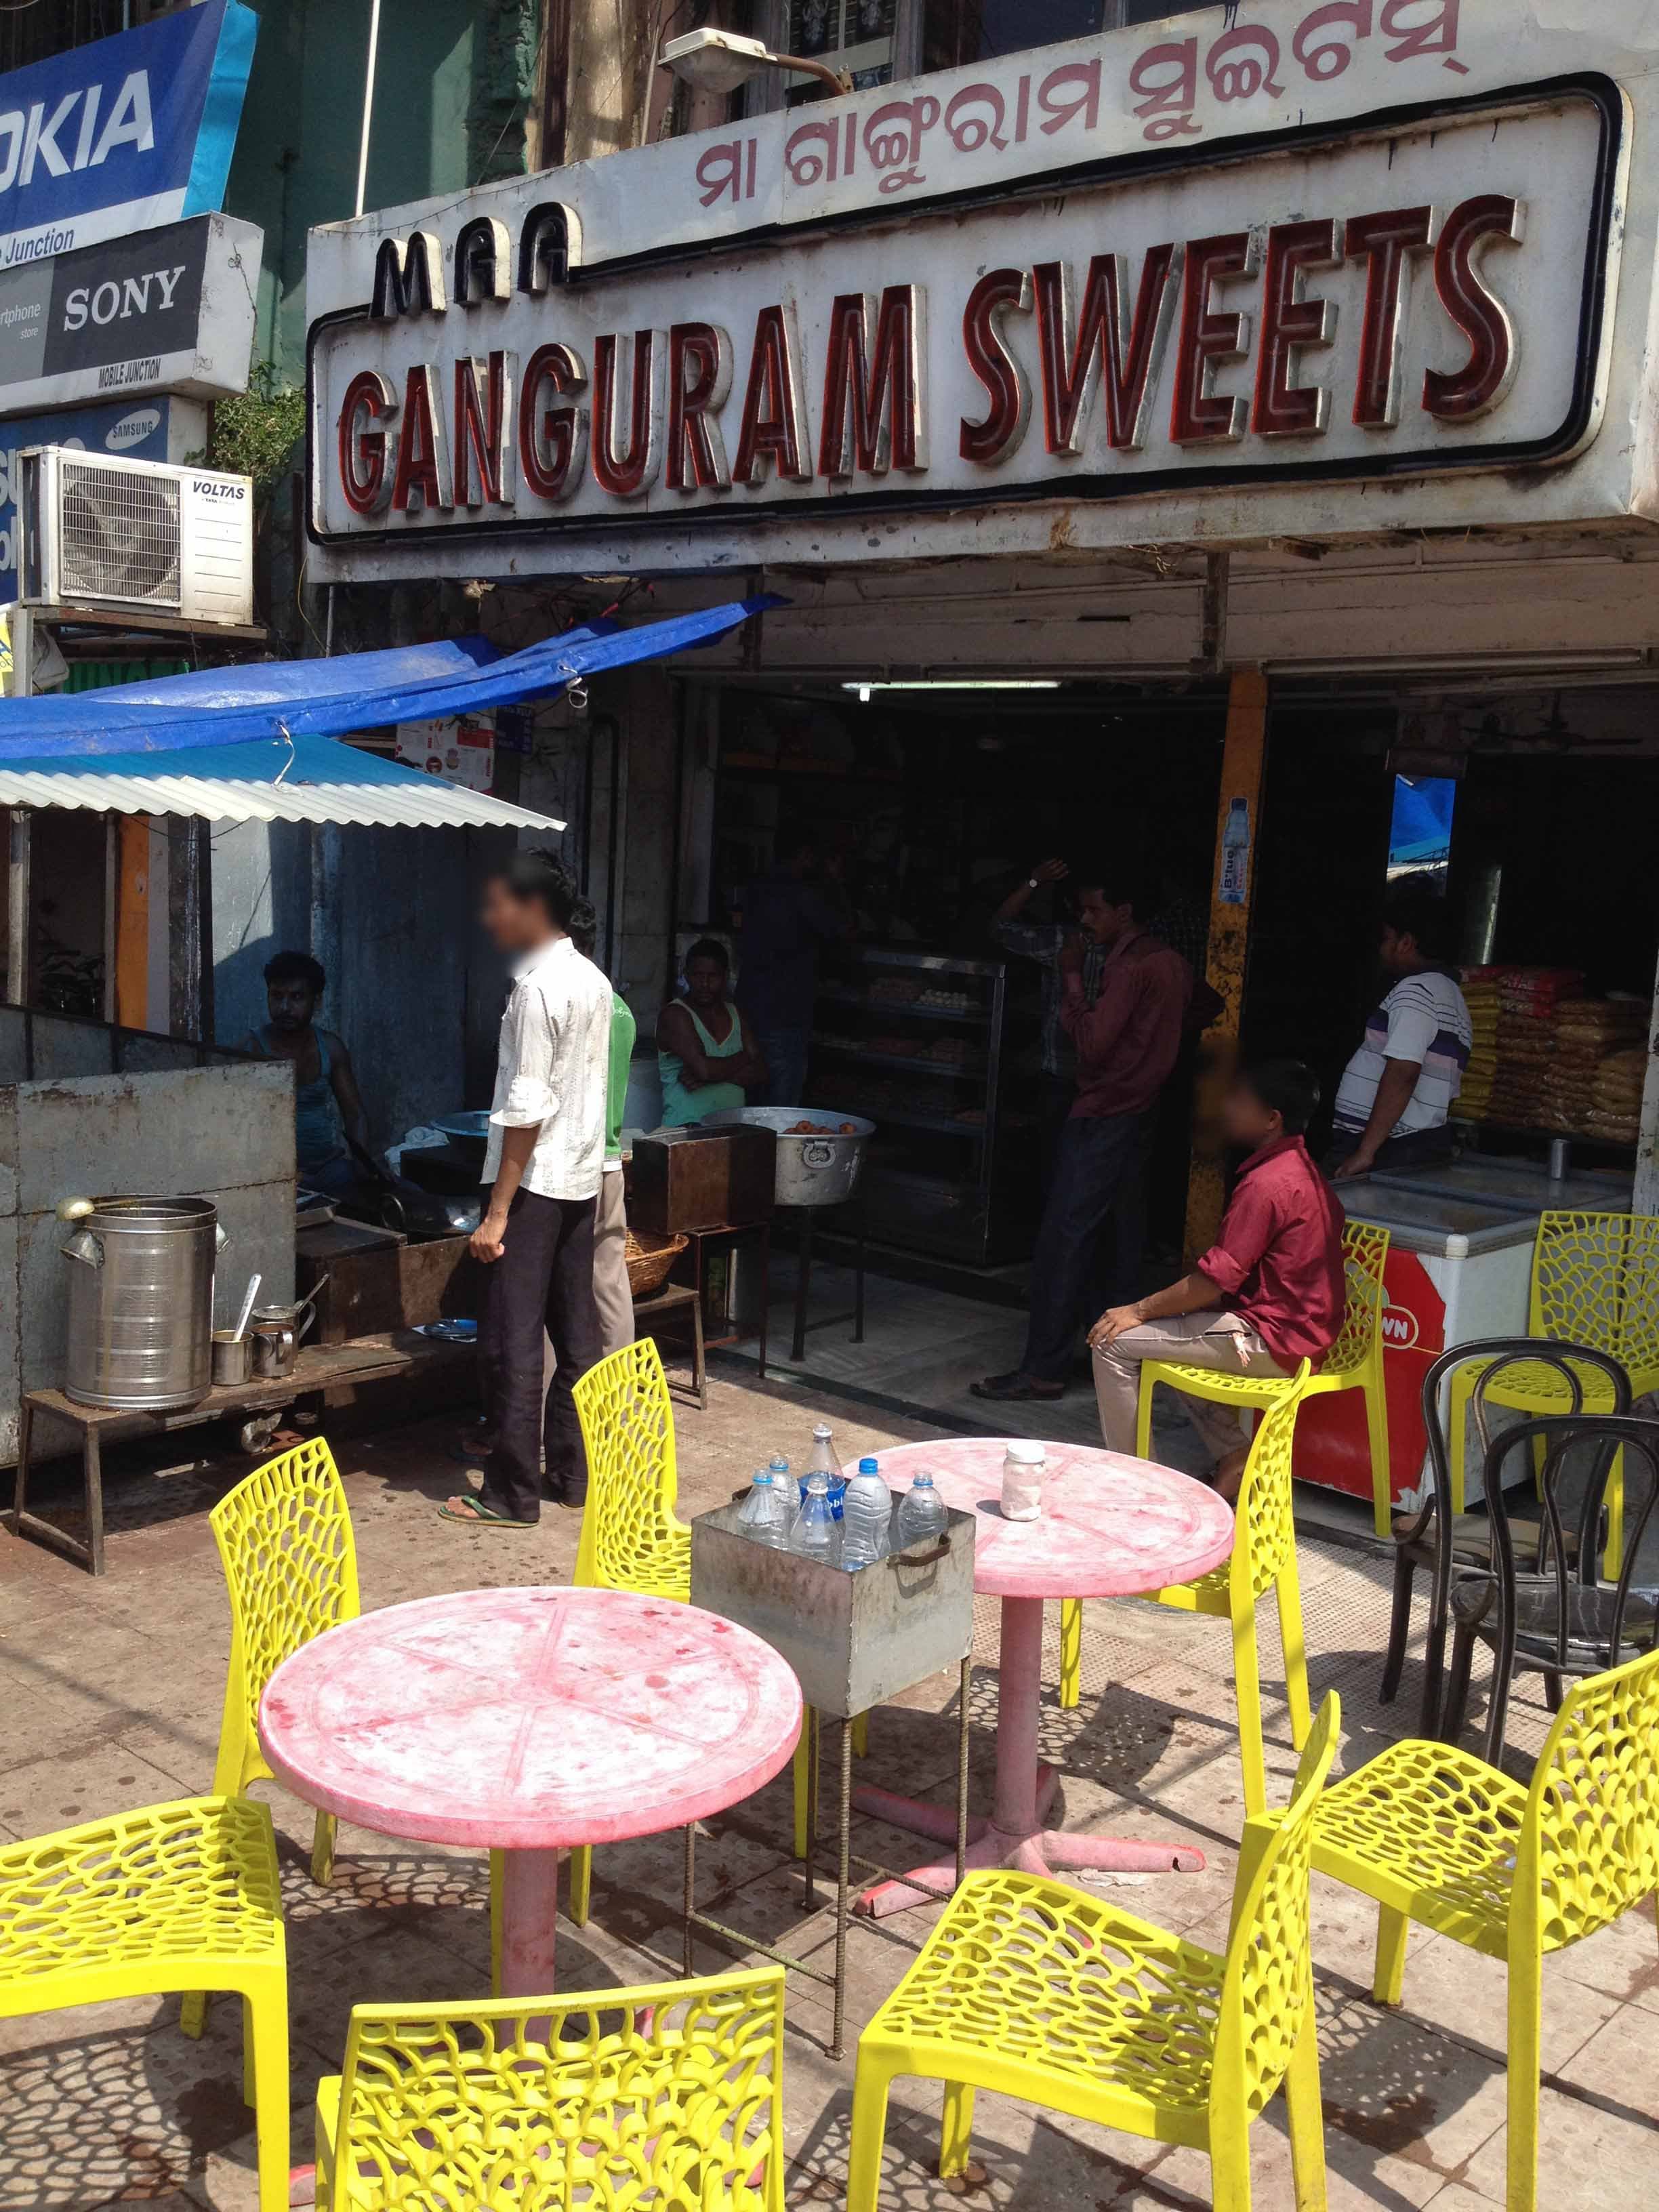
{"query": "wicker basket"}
pixel 649 1259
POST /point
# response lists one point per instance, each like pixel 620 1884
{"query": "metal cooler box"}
pixel 854 1640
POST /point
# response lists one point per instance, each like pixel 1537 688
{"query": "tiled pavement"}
pixel 110 1696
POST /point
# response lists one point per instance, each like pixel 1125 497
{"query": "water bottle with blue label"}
pixel 822 1461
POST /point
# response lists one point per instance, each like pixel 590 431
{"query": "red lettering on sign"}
pixel 893 136
pixel 974 119
pixel 1488 373
pixel 722 172
pixel 1072 90
pixel 627 471
pixel 699 378
pixel 1390 240
pixel 421 482
pixel 1110 338
pixel 772 408
pixel 1423 27
pixel 872 398
pixel 1166 77
pixel 364 477
pixel 1241 63
pixel 1000 292
pixel 552 426
pixel 1207 337
pixel 484 449
pixel 1324 57
pixel 1290 323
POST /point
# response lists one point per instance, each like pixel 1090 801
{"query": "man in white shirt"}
pixel 1398 1088
pixel 543 1164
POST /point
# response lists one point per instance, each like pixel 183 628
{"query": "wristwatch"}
pixel 1030 882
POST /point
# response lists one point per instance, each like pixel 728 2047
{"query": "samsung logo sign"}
pixel 133 430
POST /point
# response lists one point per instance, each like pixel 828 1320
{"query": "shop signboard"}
pixel 124 133
pixel 456 748
pixel 161 430
pixel 167 309
pixel 1419 298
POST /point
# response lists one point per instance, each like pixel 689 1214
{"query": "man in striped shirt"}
pixel 1398 1088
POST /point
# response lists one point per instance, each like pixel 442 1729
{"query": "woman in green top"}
pixel 705 1058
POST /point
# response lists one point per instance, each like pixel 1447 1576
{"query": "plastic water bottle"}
pixel 765 1514
pixel 866 1509
pixel 815 1534
pixel 822 1461
pixel 921 1517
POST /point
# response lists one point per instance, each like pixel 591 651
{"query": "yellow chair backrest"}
pixel 1269 1979
pixel 630 1538
pixel 1595 1281
pixel 1590 1842
pixel 284 1536
pixel 1264 1520
pixel 668 2096
pixel 1364 1255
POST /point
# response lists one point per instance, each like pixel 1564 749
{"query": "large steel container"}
pixel 816 1168
pixel 140 1301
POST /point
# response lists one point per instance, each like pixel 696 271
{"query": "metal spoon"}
pixel 252 1292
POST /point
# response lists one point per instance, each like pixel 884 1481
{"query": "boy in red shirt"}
pixel 1269 1293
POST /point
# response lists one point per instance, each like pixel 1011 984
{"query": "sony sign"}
pixel 1356 303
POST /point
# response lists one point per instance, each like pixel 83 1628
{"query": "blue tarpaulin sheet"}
pixel 219 711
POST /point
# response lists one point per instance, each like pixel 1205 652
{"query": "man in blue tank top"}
pixel 328 1106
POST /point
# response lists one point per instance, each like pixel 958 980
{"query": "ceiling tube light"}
pixel 866 684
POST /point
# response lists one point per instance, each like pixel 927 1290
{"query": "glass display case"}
pixel 915 1042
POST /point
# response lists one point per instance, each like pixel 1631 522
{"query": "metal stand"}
pixel 804 1280
pixel 845 1859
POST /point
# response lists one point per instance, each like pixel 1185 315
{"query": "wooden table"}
pixel 530 1722
pixel 321 1367
pixel 678 1297
pixel 1110 1526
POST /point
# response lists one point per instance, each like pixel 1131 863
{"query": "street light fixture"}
pixel 720 61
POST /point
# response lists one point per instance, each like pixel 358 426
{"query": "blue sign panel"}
pixel 162 429
pixel 123 134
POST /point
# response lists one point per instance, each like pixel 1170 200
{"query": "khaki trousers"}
pixel 1198 1340
pixel 610 1292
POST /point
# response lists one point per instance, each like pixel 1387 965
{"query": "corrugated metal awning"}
pixel 421 803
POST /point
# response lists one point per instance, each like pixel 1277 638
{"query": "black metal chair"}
pixel 1559 1616
pixel 1420 1538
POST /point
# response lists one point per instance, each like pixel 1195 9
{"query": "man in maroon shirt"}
pixel 1127 1044
pixel 1270 1291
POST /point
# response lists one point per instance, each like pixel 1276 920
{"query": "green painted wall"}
pixel 452 86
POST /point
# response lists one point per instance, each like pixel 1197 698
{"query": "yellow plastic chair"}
pixel 1436 1836
pixel 1354 1362
pixel 1043 1992
pixel 671 2095
pixel 284 1536
pixel 175 1898
pixel 632 1538
pixel 1263 1559
pixel 1594 1282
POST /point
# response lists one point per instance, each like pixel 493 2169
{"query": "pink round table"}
pixel 1110 1526
pixel 530 1721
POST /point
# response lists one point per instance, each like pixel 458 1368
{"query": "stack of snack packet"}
pixel 1480 996
pixel 1528 998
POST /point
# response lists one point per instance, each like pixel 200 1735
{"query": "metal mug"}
pixel 233 1357
pixel 276 1350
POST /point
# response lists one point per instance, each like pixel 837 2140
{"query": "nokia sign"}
pixel 124 133
pixel 1359 303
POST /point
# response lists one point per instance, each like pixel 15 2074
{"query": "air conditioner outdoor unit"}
pixel 102 533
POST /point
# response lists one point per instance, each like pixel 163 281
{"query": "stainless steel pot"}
pixel 822 1169
pixel 140 1300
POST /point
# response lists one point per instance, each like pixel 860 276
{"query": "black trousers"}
pixel 1099 1184
pixel 543 1280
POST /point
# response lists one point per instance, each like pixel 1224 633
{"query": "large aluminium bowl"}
pixel 822 1169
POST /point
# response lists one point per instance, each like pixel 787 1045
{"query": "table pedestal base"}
pixel 529 1912
pixel 1015 1835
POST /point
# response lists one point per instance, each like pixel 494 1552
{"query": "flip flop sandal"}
pixel 482 1516
pixel 1005 1388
